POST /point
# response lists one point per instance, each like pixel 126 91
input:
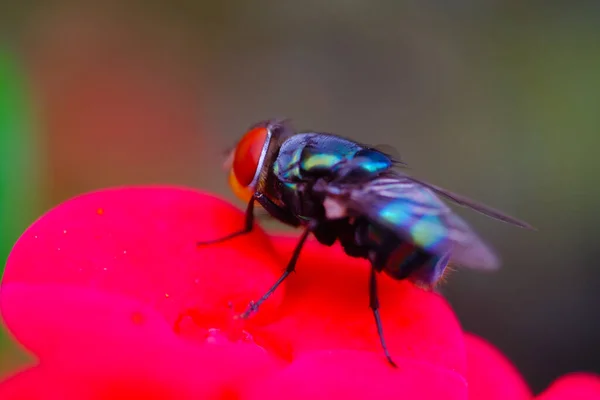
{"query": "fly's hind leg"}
pixel 374 304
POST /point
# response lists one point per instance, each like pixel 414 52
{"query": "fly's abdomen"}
pixel 401 259
pixel 409 262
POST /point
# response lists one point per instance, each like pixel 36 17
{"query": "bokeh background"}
pixel 495 99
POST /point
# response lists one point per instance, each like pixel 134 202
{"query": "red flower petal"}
pixel 97 286
pixel 575 386
pixel 327 307
pixel 490 374
pixel 100 281
pixel 359 375
pixel 140 243
pixel 115 345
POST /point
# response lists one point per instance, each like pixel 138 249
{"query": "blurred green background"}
pixel 495 99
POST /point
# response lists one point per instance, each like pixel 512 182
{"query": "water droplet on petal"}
pixel 167 295
pixel 64 231
pixel 245 337
pixel 211 340
pixel 215 336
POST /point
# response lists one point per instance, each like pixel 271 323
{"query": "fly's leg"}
pixel 248 224
pixel 374 304
pixel 253 306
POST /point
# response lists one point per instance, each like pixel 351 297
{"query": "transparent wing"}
pixel 417 215
pixel 474 205
pixel 454 197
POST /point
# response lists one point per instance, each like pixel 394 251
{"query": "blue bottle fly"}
pixel 342 191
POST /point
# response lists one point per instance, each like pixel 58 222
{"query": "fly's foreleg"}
pixel 253 306
pixel 248 225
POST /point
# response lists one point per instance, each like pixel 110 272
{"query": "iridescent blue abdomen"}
pixel 400 259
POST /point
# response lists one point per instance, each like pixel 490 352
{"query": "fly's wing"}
pixel 355 164
pixel 417 215
pixel 473 205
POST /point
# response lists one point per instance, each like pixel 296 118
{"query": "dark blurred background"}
pixel 495 99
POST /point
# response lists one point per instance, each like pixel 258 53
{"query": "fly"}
pixel 342 191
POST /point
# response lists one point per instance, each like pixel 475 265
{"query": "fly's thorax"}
pixel 301 200
pixel 365 164
pixel 312 155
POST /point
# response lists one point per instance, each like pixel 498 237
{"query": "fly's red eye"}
pixel 247 155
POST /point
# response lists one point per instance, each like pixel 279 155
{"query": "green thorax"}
pixel 306 156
